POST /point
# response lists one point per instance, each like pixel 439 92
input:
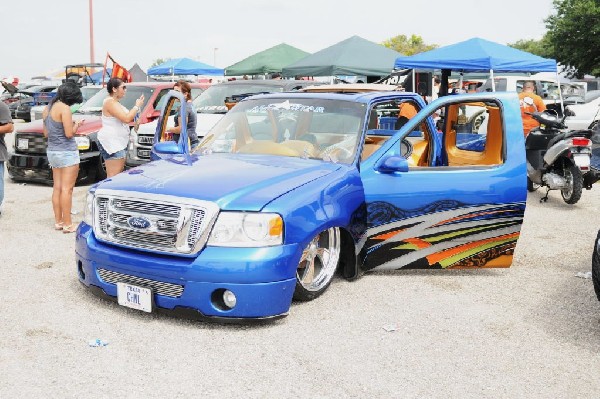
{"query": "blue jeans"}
pixel 1 182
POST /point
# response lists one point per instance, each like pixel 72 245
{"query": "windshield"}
pixel 298 127
pixel 212 100
pixel 94 104
pixel 88 92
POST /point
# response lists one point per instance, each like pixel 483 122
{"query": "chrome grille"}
pixel 143 154
pixel 160 287
pixel 145 139
pixel 146 207
pixel 152 221
pixel 36 143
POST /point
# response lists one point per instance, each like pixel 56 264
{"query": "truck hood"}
pixel 232 181
pixel 204 122
pixel 91 124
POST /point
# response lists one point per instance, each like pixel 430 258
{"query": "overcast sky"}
pixel 44 35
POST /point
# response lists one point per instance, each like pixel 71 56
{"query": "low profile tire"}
pixel 596 265
pixel 572 193
pixel 100 169
pixel 318 265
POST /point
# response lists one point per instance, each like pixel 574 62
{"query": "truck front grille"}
pixel 30 143
pixel 153 222
pixel 148 140
pixel 160 287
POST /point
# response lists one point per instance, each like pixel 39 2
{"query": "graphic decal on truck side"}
pixel 445 234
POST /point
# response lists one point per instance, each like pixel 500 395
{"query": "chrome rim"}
pixel 319 260
pixel 567 192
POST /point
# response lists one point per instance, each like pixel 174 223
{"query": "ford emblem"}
pixel 138 222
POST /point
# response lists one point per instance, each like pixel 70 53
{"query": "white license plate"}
pixel 582 160
pixel 22 144
pixel 134 297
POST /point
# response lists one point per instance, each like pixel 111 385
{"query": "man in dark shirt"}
pixel 6 126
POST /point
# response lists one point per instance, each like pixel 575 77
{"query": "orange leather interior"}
pixel 492 153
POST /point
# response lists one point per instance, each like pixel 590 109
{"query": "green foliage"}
pixel 408 46
pixel 543 47
pixel 574 33
pixel 159 61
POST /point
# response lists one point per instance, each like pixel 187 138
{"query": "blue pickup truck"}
pixel 289 190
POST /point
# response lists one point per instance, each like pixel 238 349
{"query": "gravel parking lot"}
pixel 529 331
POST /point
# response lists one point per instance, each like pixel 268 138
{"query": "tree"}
pixel 542 47
pixel 159 61
pixel 408 46
pixel 574 33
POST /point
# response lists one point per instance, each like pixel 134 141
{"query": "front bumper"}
pixel 35 168
pixel 262 279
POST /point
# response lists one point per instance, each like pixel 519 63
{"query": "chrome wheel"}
pixel 572 192
pixel 318 264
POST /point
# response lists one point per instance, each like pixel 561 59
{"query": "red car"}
pixel 29 162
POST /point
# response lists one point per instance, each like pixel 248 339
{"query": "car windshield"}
pixel 297 127
pixel 212 100
pixel 87 92
pixel 94 104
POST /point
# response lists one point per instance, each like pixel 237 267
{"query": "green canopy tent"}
pixel 268 61
pixel 354 56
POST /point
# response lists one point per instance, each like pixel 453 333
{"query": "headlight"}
pixel 83 143
pixel 88 209
pixel 251 229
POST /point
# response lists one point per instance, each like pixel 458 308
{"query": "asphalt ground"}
pixel 531 331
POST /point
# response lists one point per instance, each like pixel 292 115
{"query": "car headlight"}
pixel 88 209
pixel 247 229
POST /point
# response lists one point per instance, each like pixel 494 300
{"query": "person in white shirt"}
pixel 114 134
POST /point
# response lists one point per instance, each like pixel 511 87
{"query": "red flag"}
pixel 118 71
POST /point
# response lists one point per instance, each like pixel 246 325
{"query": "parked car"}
pixel 86 91
pixel 545 88
pixel 584 112
pixel 29 161
pixel 210 107
pixel 20 109
pixel 290 188
pixel 596 265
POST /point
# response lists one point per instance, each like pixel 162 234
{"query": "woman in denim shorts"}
pixel 62 152
pixel 113 137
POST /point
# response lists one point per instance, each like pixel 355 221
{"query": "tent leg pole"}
pixel 493 81
pixel 562 104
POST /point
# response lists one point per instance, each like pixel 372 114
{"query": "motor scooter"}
pixel 558 159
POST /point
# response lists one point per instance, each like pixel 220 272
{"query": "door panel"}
pixel 444 216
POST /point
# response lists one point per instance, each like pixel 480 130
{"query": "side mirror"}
pixel 167 147
pixel 391 164
pixel 569 112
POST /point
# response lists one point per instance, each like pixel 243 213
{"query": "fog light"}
pixel 229 299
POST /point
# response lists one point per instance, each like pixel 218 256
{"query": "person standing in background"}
pixel 62 152
pixel 185 89
pixel 113 137
pixel 530 102
pixel 6 126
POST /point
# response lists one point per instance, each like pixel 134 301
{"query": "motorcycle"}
pixel 559 159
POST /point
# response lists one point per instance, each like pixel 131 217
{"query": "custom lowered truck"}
pixel 287 190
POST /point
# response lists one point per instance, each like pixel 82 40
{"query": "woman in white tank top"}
pixel 114 134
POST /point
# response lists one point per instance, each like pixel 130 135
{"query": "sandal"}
pixel 70 228
pixel 58 226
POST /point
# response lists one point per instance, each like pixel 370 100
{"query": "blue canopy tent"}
pixel 184 66
pixel 477 55
pixel 96 78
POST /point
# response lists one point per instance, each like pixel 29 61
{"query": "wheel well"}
pixel 348 263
